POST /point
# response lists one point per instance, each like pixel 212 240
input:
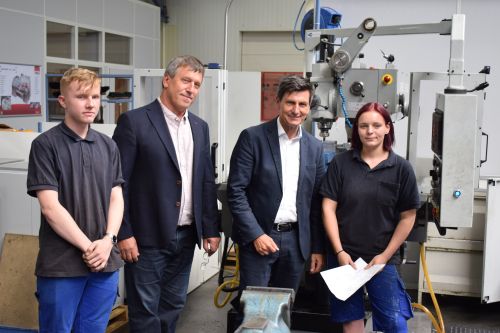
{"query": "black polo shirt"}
pixel 369 201
pixel 83 172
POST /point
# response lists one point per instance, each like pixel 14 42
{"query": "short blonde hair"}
pixel 83 76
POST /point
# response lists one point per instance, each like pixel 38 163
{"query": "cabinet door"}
pixel 211 107
pixel 19 213
pixel 491 264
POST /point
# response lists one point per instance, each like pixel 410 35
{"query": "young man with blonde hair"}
pixel 75 173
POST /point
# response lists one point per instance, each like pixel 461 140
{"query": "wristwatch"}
pixel 113 238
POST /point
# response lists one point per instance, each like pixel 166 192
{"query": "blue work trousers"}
pixel 76 304
pixel 391 306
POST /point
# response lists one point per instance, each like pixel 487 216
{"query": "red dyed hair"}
pixel 377 107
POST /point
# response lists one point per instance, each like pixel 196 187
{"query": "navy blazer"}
pixel 255 187
pixel 153 183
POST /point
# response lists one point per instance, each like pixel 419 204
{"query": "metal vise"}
pixel 266 310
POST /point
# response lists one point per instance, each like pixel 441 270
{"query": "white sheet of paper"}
pixel 343 281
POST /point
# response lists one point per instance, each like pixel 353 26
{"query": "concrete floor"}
pixel 460 314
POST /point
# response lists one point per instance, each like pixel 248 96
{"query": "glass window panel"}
pixel 118 49
pixel 60 40
pixel 54 68
pixel 89 44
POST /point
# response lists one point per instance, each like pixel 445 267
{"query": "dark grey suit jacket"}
pixel 255 187
pixel 153 181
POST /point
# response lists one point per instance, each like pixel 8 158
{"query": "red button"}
pixel 387 79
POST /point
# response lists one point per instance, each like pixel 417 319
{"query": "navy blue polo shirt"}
pixel 369 201
pixel 83 172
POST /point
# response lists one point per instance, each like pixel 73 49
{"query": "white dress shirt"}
pixel 290 165
pixel 182 138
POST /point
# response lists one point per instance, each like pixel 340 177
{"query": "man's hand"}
pixel 97 254
pixel 317 263
pixel 265 245
pixel 129 250
pixel 211 244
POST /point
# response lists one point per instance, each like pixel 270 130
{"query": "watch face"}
pixel 114 239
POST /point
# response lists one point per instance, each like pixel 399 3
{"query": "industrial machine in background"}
pixel 451 190
pixel 450 185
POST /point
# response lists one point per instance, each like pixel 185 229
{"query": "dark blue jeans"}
pixel 157 284
pixel 282 269
pixel 76 304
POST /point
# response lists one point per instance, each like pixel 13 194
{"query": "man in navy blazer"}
pixel 170 198
pixel 274 177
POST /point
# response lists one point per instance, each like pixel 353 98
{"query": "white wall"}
pixel 199 29
pixel 23 34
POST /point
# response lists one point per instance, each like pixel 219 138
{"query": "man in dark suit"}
pixel 275 172
pixel 170 198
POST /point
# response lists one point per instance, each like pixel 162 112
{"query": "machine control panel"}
pixel 453 138
pixel 360 86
